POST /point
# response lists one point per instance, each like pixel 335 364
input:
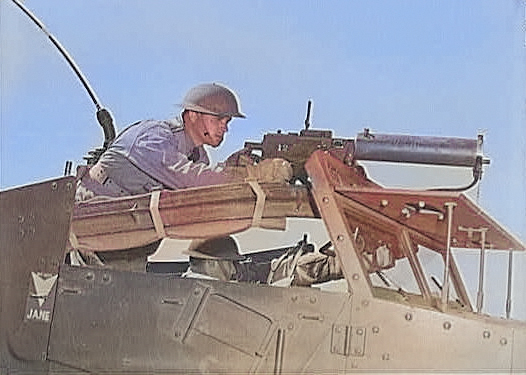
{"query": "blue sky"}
pixel 446 68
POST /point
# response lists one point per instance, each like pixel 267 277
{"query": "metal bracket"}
pixel 357 345
pixel 421 208
pixel 340 339
pixel 347 340
pixel 191 309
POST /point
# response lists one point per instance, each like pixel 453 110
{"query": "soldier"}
pixel 213 259
pixel 303 266
pixel 151 154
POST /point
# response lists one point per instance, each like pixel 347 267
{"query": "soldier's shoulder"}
pixel 175 124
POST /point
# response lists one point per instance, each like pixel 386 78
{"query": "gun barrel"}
pixel 418 149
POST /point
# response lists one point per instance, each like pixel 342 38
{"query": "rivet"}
pixel 365 303
pixel 384 203
pixel 90 276
pixel 290 326
pixel 355 276
pixel 486 334
pixel 408 316
pixel 325 200
pixel 503 341
pixel 54 186
pixel 359 331
pixel 197 292
pixel 447 325
pixel 376 329
pixel 340 237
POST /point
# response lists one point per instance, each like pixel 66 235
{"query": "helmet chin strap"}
pixel 196 130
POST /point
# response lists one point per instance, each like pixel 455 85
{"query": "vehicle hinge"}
pixel 348 340
pixel 340 339
pixel 357 346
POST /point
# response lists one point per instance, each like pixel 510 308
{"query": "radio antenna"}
pixel 103 115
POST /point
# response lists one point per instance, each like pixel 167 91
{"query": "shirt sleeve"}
pixel 316 268
pixel 157 152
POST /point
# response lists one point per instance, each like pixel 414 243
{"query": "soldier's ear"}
pixel 192 116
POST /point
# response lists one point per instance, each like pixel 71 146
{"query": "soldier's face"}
pixel 214 128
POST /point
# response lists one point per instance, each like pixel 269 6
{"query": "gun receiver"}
pixel 297 148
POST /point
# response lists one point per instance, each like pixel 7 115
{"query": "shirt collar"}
pixel 177 125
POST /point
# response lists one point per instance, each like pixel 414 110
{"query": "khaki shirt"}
pixel 151 155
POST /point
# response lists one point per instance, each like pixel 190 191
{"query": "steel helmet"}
pixel 218 248
pixel 213 99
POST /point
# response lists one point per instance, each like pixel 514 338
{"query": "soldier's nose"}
pixel 223 125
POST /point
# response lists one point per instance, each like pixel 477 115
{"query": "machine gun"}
pixel 297 148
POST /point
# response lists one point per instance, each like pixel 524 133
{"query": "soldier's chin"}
pixel 216 143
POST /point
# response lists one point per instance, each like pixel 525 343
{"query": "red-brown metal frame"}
pixel 347 200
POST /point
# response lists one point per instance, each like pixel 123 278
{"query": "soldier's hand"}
pixel 240 159
pixel 270 170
